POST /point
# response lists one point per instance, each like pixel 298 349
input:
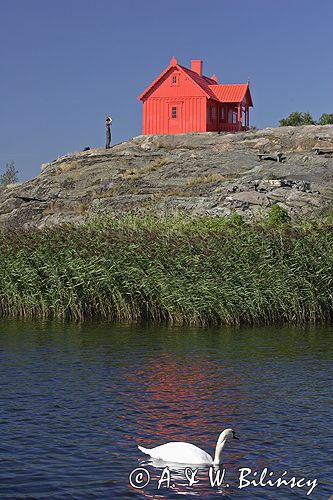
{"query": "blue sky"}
pixel 66 64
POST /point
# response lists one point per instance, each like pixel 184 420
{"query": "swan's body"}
pixel 187 453
pixel 178 452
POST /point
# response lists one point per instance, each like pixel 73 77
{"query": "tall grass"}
pixel 176 269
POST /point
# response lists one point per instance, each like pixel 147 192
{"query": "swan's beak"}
pixel 234 435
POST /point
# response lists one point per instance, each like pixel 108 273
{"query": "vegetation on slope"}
pixel 182 270
pixel 297 119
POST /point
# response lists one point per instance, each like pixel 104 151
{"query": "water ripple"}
pixel 77 399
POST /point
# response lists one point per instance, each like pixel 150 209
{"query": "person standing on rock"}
pixel 108 123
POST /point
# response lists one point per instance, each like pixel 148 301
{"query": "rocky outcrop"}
pixel 203 173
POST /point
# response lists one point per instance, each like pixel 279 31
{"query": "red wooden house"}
pixel 184 100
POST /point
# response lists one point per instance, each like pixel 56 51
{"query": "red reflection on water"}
pixel 180 399
pixel 183 399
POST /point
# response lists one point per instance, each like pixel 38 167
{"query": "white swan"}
pixel 187 453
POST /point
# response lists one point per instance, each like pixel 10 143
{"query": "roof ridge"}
pixel 228 84
pixel 197 74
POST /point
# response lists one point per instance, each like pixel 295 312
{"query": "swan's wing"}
pixel 178 452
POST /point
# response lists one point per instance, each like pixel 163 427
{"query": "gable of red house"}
pixel 184 100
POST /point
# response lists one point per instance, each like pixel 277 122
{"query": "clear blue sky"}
pixel 66 64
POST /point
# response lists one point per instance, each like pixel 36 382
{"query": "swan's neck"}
pixel 218 452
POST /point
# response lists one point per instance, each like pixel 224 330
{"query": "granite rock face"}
pixel 201 173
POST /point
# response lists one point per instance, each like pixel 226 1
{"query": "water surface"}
pixel 77 399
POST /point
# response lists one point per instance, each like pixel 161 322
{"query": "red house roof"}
pixel 203 81
pixel 233 93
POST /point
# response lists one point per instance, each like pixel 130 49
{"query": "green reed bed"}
pixel 176 269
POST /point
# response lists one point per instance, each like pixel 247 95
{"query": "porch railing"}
pixel 232 127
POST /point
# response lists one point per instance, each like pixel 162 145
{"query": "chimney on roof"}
pixel 196 66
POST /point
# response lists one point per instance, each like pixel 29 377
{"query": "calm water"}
pixel 75 401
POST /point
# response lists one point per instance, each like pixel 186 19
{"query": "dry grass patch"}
pixel 106 194
pixel 131 173
pixel 13 185
pixel 175 193
pixel 80 209
pixel 153 166
pixel 67 167
pixel 54 208
pixel 205 179
pixel 50 209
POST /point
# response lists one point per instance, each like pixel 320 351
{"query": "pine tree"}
pixel 296 119
pixel 326 119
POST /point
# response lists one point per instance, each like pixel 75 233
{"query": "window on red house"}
pixel 174 112
pixel 174 80
pixel 213 113
pixel 222 114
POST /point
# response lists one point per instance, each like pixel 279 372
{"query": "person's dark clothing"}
pixel 108 135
